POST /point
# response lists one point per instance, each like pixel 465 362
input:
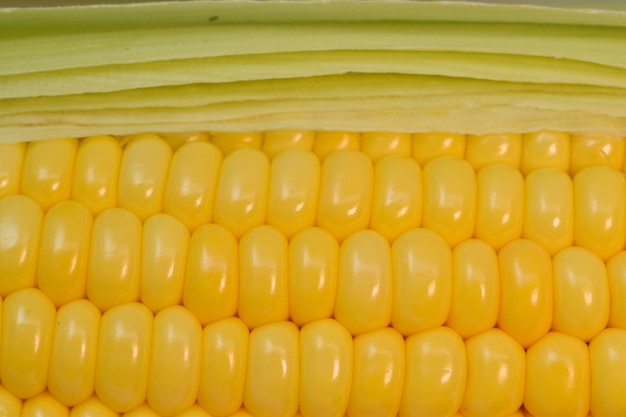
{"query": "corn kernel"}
pixel 93 407
pixel 223 369
pixel 277 141
pixel 483 150
pixel 328 142
pixel 436 371
pixel 364 289
pixel 607 359
pixel 422 267
pixel 42 405
pixel 191 183
pixel 273 371
pixel 10 405
pixel 96 173
pixel 397 199
pixel 229 142
pixel 11 160
pixel 429 146
pixel 211 285
pixel 595 150
pixel 616 270
pixel 377 145
pixel 545 149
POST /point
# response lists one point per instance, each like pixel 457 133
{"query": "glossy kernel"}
pixel 365 286
pixel 581 293
pixel 496 373
pixel 241 196
pixel 28 318
pixel 229 142
pixel 326 354
pixel 616 271
pixel 174 373
pixel 557 377
pixel 11 160
pixel 191 183
pixel 113 271
pixel 449 199
pixel 436 370
pixel 483 150
pixel 211 284
pixel 422 271
pixel 10 405
pixel 93 407
pixel 379 370
pixel 123 357
pixel 397 199
pixel 273 371
pixel 44 405
pixel 595 150
pixel 500 205
pixel 73 357
pixel 47 171
pixel 428 146
pixel 549 209
pixel 475 288
pixel 224 364
pixel 600 210
pixel 607 360
pixel 345 197
pixel 164 255
pixel 20 230
pixel 545 149
pixel 96 173
pixel 143 171
pixel 277 141
pixel 263 294
pixel 63 252
pixel 377 145
pixel 526 293
pixel 313 259
pixel 293 191
pixel 328 142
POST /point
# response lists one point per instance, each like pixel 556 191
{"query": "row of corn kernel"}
pixel 416 283
pixel 527 152
pixel 345 194
pixel 128 356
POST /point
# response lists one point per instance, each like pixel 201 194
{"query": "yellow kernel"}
pixel 277 141
pixel 557 377
pixel 436 371
pixel 47 171
pixel 500 205
pixel 526 300
pixel 422 268
pixel 545 149
pixel 142 411
pixel 379 370
pixel 475 288
pixel 364 290
pixel 345 197
pixel 313 262
pixel 28 319
pixel 20 222
pixel 228 142
pixel 191 183
pixel 42 405
pixel 377 145
pixel 596 150
pixel 113 271
pixel 483 150
pixel 11 160
pixel 96 173
pixel 616 270
pixel 73 356
pixel 328 142
pixel 63 252
pixel 600 214
pixel 10 405
pixel 326 355
pixel 607 361
pixel 273 370
pixel 143 171
pixel 263 295
pixel 164 254
pixel 549 209
pixel 93 407
pixel 429 146
pixel 211 284
pixel 123 357
pixel 397 199
pixel 496 373
pixel 223 369
pixel 241 196
pixel 293 191
pixel 174 374
pixel 449 199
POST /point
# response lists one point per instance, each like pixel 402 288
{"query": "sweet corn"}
pixel 313 274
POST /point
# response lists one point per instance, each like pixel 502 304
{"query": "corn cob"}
pixel 158 311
